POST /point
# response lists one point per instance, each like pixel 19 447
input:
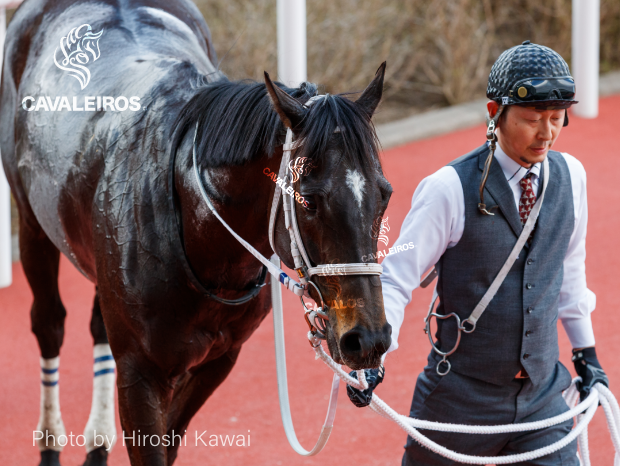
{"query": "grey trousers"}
pixel 458 399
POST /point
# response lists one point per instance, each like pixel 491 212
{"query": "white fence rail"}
pixel 292 60
pixel 6 276
pixel 585 56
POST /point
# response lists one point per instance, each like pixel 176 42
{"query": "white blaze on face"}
pixel 356 183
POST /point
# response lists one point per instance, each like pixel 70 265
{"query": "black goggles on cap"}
pixel 543 89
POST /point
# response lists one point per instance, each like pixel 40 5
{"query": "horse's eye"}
pixel 309 203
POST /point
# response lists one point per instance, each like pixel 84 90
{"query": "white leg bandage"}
pixel 100 430
pixel 50 433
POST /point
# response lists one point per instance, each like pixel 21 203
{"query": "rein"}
pixel 176 241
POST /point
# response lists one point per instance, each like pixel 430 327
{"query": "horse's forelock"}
pixel 235 119
pixel 237 123
pixel 359 141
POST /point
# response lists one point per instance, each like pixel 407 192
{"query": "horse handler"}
pixel 466 219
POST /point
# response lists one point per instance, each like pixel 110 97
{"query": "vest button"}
pixel 530 309
pixel 528 333
pixel 526 355
pixel 529 286
pixel 530 261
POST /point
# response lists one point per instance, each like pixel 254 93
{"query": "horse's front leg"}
pixel 100 431
pixel 191 392
pixel 144 395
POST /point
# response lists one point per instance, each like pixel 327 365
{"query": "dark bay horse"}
pixel 100 101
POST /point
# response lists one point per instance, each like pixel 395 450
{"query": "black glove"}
pixel 589 369
pixel 361 398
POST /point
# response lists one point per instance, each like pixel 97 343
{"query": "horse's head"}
pixel 343 193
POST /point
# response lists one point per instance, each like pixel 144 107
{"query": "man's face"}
pixel 525 133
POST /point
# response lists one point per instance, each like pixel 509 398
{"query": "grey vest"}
pixel 519 327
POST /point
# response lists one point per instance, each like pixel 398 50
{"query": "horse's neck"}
pixel 242 196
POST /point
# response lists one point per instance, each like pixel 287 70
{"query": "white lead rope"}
pixel 285 408
pixel 410 425
pixel 599 393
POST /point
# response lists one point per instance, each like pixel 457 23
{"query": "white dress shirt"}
pixel 436 221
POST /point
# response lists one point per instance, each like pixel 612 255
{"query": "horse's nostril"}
pixel 361 346
pixel 351 342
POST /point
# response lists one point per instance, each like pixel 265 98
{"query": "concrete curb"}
pixel 609 84
pixel 435 123
pixel 462 116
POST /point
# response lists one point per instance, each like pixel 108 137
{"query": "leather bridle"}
pixel 316 318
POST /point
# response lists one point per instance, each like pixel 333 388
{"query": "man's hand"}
pixel 361 398
pixel 589 369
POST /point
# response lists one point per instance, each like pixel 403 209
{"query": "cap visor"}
pixel 548 104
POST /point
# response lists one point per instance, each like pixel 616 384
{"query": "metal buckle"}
pixel 491 131
pixel 492 139
pixel 483 209
pixel 444 360
pixel 460 328
pixel 467 321
pixel 316 320
pixel 443 317
pixel 302 271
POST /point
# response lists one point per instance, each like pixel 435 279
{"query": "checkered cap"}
pixel 523 62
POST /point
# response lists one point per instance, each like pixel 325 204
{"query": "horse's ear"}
pixel 291 112
pixel 370 98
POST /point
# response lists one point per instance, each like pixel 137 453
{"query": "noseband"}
pixel 317 320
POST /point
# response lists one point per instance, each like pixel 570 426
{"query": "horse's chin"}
pixel 371 363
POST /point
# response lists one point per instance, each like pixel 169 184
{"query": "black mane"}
pixel 236 123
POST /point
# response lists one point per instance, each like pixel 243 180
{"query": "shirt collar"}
pixel 512 170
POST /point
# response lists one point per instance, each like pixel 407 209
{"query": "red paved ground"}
pixel 248 398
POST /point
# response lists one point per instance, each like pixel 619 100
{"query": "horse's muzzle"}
pixel 362 348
